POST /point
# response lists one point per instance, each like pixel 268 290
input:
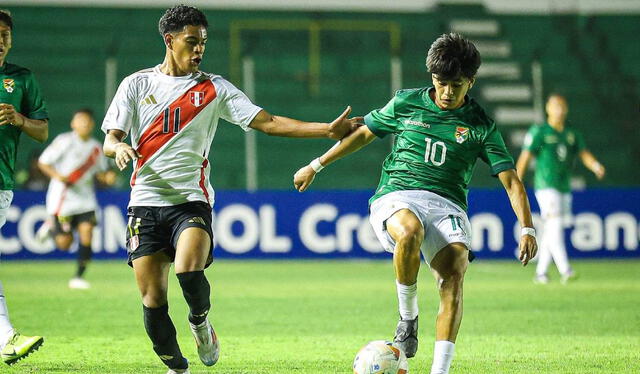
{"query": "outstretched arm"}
pixel 51 172
pixel 523 163
pixel 520 204
pixel 38 129
pixel 358 139
pixel 591 163
pixel 292 128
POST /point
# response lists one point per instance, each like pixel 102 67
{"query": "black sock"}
pixel 196 291
pixel 84 256
pixel 163 336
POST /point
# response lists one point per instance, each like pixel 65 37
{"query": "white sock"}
pixel 407 300
pixel 555 229
pixel 6 330
pixel 442 356
pixel 544 254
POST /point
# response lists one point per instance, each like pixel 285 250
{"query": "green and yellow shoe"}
pixel 19 347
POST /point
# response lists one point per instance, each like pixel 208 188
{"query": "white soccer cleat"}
pixel 541 279
pixel 179 371
pixel 207 342
pixel 79 284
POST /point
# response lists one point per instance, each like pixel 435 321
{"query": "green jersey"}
pixel 555 154
pixel 19 88
pixel 435 150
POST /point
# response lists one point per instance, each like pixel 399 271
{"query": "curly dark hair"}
pixel 5 16
pixel 452 56
pixel 179 16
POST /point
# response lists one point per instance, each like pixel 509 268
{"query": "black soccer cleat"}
pixel 407 336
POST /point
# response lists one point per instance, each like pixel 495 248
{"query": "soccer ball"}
pixel 380 357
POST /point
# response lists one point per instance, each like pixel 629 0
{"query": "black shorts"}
pixel 67 224
pixel 152 229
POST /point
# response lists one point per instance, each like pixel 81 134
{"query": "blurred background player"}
pixel 73 161
pixel 555 148
pixel 22 109
pixel 421 201
pixel 171 112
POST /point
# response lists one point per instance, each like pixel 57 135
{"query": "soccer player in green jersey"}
pixel 420 204
pixel 555 147
pixel 21 110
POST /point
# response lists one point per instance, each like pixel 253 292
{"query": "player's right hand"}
pixel 303 178
pixel 124 154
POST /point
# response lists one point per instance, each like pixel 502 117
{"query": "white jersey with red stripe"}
pixel 79 160
pixel 172 122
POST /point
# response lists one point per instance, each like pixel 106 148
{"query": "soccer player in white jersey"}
pixel 73 161
pixel 420 204
pixel 171 112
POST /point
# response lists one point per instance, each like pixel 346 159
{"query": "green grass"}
pixel 312 317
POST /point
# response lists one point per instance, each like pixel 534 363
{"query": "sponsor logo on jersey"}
pixel 416 123
pixel 462 134
pixel 196 97
pixel 149 100
pixel 8 84
pixel 570 138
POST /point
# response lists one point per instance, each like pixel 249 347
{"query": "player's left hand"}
pixel 528 249
pixel 9 116
pixel 303 178
pixel 343 126
pixel 600 172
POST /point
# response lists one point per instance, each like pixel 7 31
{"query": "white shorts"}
pixel 6 197
pixel 554 203
pixel 443 221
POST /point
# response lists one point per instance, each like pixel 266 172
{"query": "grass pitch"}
pixel 313 316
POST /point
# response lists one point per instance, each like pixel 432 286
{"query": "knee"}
pixel 63 241
pixel 411 236
pixel 153 297
pixel 453 279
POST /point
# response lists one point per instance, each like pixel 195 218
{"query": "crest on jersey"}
pixel 9 85
pixel 196 97
pixel 462 134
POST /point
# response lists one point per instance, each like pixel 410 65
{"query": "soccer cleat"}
pixel 207 342
pixel 568 277
pixel 407 336
pixel 541 279
pixel 19 347
pixel 179 371
pixel 79 284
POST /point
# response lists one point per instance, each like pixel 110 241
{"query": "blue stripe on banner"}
pixel 334 224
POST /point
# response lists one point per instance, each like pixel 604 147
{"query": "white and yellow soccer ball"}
pixel 380 357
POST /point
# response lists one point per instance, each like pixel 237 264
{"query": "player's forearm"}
pixel 50 171
pixel 111 141
pixel 590 162
pixel 292 128
pixel 352 143
pixel 37 129
pixel 522 165
pixel 518 197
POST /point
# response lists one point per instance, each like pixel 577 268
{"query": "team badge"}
pixel 197 98
pixel 134 243
pixel 9 85
pixel 462 134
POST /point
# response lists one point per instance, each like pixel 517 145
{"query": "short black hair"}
pixel 5 16
pixel 177 17
pixel 452 56
pixel 85 110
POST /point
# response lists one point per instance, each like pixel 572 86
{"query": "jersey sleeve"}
pixel 33 103
pixel 235 107
pixel 382 121
pixel 120 115
pixel 533 140
pixel 495 153
pixel 52 154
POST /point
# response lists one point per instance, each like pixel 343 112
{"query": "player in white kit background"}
pixel 171 113
pixel 73 161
